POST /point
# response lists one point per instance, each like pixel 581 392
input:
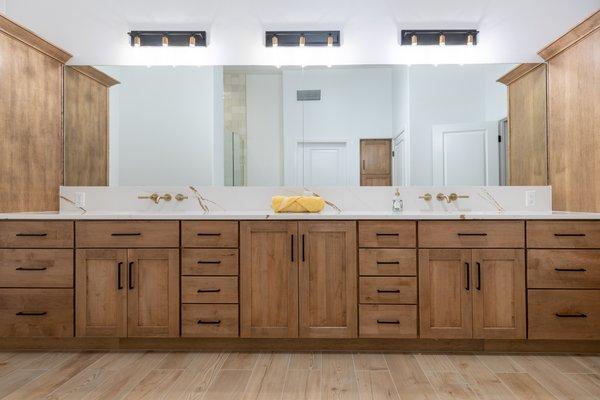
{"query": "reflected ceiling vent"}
pixel 168 38
pixel 302 38
pixel 439 37
pixel 308 95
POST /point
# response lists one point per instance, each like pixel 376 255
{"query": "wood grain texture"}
pixel 37 234
pixel 209 320
pixel 375 162
pixel 327 304
pixel 517 72
pixel 95 74
pixel 572 37
pixel 573 124
pixel 563 234
pixel 209 262
pixel 527 147
pixel 209 289
pixel 215 234
pixel 36 268
pixel 388 290
pixel 562 269
pixel 86 130
pixel 472 234
pixel 387 262
pixel 388 321
pixel 127 234
pixel 394 234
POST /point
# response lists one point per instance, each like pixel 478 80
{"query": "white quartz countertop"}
pixel 329 215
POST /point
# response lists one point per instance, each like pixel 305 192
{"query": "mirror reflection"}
pixel 372 125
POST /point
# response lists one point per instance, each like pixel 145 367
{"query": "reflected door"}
pixel 322 164
pixel 466 154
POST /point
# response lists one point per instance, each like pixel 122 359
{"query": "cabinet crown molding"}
pixel 95 74
pixel 573 36
pixel 517 72
pixel 11 28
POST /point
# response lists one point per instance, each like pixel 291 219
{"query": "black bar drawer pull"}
pixel 209 321
pixel 31 313
pixel 570 269
pixel 31 234
pixel 119 282
pixel 209 262
pixel 207 234
pixel 471 234
pixel 126 234
pixel 388 262
pixel 387 234
pixel 388 290
pixel 478 276
pixel 130 275
pixel 576 315
pixel 31 268
pixel 208 290
pixel 388 321
pixel 468 273
pixel 570 234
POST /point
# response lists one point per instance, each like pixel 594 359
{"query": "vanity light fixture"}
pixel 438 37
pixel 302 38
pixel 168 38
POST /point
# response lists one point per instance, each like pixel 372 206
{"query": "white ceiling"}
pixel 95 31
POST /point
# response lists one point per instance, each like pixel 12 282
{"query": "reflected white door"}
pixel 321 164
pixel 466 154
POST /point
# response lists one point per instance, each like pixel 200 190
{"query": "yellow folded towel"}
pixel 297 204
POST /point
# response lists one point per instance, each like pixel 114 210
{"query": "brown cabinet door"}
pixel 498 283
pixel 269 279
pixel 445 294
pixel 101 293
pixel 375 162
pixel 153 293
pixel 327 279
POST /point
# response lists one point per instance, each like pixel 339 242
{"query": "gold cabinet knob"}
pixel 426 197
pixel 180 197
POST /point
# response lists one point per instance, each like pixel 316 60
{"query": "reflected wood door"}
pixel 101 293
pixel 498 282
pixel 445 294
pixel 153 293
pixel 327 279
pixel 269 279
pixel 376 162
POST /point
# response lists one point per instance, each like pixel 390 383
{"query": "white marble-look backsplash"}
pixel 347 199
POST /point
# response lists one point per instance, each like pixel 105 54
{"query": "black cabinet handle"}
pixel 471 234
pixel 208 290
pixel 207 234
pixel 130 273
pixel 31 234
pixel 292 246
pixel 209 262
pixel 388 321
pixel 303 251
pixel 119 283
pixel 388 262
pixel 570 234
pixel 31 313
pixel 387 234
pixel 570 269
pixel 31 268
pixel 478 276
pixel 468 273
pixel 388 290
pixel 209 321
pixel 576 315
pixel 126 234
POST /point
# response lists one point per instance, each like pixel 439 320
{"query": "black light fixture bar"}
pixel 174 38
pixel 431 37
pixel 311 38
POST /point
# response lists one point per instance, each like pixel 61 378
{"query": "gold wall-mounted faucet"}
pixel 451 197
pixel 426 197
pixel 156 198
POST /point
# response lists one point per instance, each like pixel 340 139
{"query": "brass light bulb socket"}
pixel 165 41
pixel 302 41
pixel 192 41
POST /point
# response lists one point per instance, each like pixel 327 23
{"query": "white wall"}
pixel 113 125
pixel 218 162
pixel 166 122
pixel 264 130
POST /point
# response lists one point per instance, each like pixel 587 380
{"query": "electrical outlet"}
pixel 80 199
pixel 530 198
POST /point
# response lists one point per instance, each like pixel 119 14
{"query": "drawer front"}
pixel 388 290
pixel 36 234
pixel 387 233
pixel 562 269
pixel 209 262
pixel 209 234
pixel 36 268
pixel 209 320
pixel 127 234
pixel 36 312
pixel 386 321
pixel 390 262
pixel 564 314
pixel 209 289
pixel 472 234
pixel 563 234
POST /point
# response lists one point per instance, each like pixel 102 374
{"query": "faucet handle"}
pixel 154 197
pixel 441 197
pixel 454 197
pixel 180 197
pixel 426 197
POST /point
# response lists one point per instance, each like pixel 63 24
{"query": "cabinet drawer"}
pixel 558 269
pixel 472 234
pixel 563 234
pixel 564 314
pixel 386 321
pixel 209 233
pixel 36 268
pixel 388 290
pixel 42 234
pixel 387 262
pixel 387 233
pixel 127 233
pixel 36 312
pixel 209 262
pixel 209 320
pixel 209 289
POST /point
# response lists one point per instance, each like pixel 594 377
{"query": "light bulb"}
pixel 165 41
pixel 413 40
pixel 442 39
pixel 274 41
pixel 470 40
pixel 137 42
pixel 329 41
pixel 302 41
pixel 192 41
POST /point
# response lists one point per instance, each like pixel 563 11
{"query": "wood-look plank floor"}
pixel 296 376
